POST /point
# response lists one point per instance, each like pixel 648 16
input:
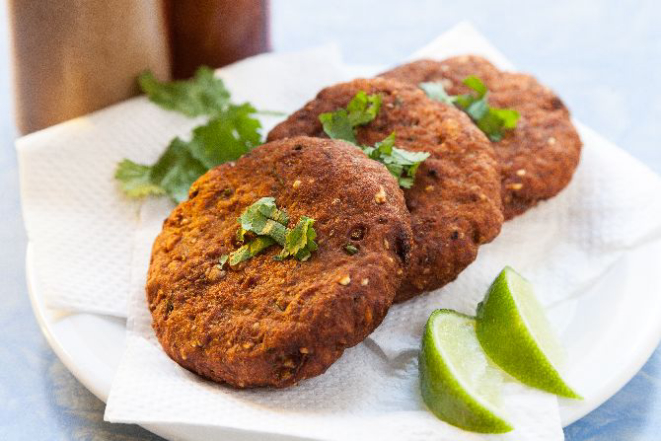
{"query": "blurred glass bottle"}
pixel 215 32
pixel 72 57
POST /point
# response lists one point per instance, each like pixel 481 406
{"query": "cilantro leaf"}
pixel 338 126
pixel 436 91
pixel 490 120
pixel 402 164
pixel 508 117
pixel 204 94
pixel 269 224
pixel 264 219
pixel 172 174
pixel 251 249
pixel 226 137
pixel 351 249
pixel 176 170
pixel 477 85
pixel 299 242
pixel 135 179
pixel 361 110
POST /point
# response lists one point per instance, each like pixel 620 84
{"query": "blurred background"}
pixel 603 57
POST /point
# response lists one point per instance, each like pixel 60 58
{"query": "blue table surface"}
pixel 603 57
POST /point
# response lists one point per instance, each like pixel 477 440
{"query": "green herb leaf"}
pixel 172 174
pixel 477 85
pixel 338 126
pixel 300 242
pixel 223 260
pixel 402 164
pixel 176 170
pixel 269 224
pixel 251 249
pixel 491 120
pixel 204 94
pixel 361 110
pixel 436 91
pixel 508 117
pixel 135 179
pixel 264 219
pixel 226 137
pixel 351 249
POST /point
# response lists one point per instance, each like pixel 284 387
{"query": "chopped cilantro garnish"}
pixel 299 242
pixel 351 249
pixel 436 91
pixel 264 219
pixel 361 110
pixel 231 131
pixel 251 249
pixel 491 120
pixel 338 126
pixel 402 164
pixel 268 226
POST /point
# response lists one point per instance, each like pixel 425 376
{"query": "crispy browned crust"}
pixel 455 202
pixel 270 323
pixel 539 157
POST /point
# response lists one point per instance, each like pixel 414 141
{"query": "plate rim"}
pixel 46 325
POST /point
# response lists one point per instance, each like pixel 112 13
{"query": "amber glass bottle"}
pixel 215 32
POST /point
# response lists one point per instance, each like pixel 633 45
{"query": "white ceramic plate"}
pixel 610 331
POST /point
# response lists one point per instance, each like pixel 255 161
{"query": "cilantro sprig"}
pixel 204 94
pixel 401 163
pixel 361 110
pixel 267 225
pixel 299 241
pixel 230 131
pixel 492 121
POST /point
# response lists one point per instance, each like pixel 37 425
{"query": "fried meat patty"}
pixel 273 323
pixel 455 203
pixel 538 158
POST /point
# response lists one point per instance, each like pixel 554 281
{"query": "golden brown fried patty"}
pixel 455 202
pixel 538 158
pixel 271 323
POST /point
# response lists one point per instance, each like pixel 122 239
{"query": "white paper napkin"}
pixel 79 224
pixel 372 391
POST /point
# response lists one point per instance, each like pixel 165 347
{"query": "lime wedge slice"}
pixel 517 336
pixel 457 382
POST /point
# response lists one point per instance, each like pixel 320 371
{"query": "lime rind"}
pixel 514 332
pixel 457 382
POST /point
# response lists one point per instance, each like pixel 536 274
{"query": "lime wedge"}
pixel 517 336
pixel 457 382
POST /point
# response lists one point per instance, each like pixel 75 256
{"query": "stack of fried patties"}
pixel 273 321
